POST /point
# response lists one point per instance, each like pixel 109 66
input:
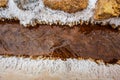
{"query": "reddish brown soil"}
pixel 92 41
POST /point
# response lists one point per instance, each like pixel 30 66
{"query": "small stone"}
pixel 113 26
pixel 3 3
pixel 25 4
pixel 70 6
pixel 106 9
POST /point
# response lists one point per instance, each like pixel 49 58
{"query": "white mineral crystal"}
pixel 14 68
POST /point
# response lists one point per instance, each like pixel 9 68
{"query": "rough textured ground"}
pixel 33 12
pixel 61 42
pixel 91 41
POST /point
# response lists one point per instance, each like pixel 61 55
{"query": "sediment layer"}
pixel 96 42
pixel 86 41
pixel 14 68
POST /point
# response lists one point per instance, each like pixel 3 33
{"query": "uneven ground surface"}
pixel 72 12
pixel 54 43
pixel 86 41
pixel 42 47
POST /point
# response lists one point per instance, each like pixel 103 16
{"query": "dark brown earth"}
pixel 87 41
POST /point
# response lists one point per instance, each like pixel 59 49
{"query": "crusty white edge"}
pixel 43 15
pixel 14 68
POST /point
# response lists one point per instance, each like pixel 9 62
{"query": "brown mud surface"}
pixel 86 41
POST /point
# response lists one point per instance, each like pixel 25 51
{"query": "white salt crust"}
pixel 14 68
pixel 43 15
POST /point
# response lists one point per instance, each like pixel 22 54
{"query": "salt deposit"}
pixel 37 13
pixel 14 68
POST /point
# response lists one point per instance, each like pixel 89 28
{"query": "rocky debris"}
pixel 33 12
pixel 106 9
pixel 25 4
pixel 3 3
pixel 91 41
pixel 70 6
